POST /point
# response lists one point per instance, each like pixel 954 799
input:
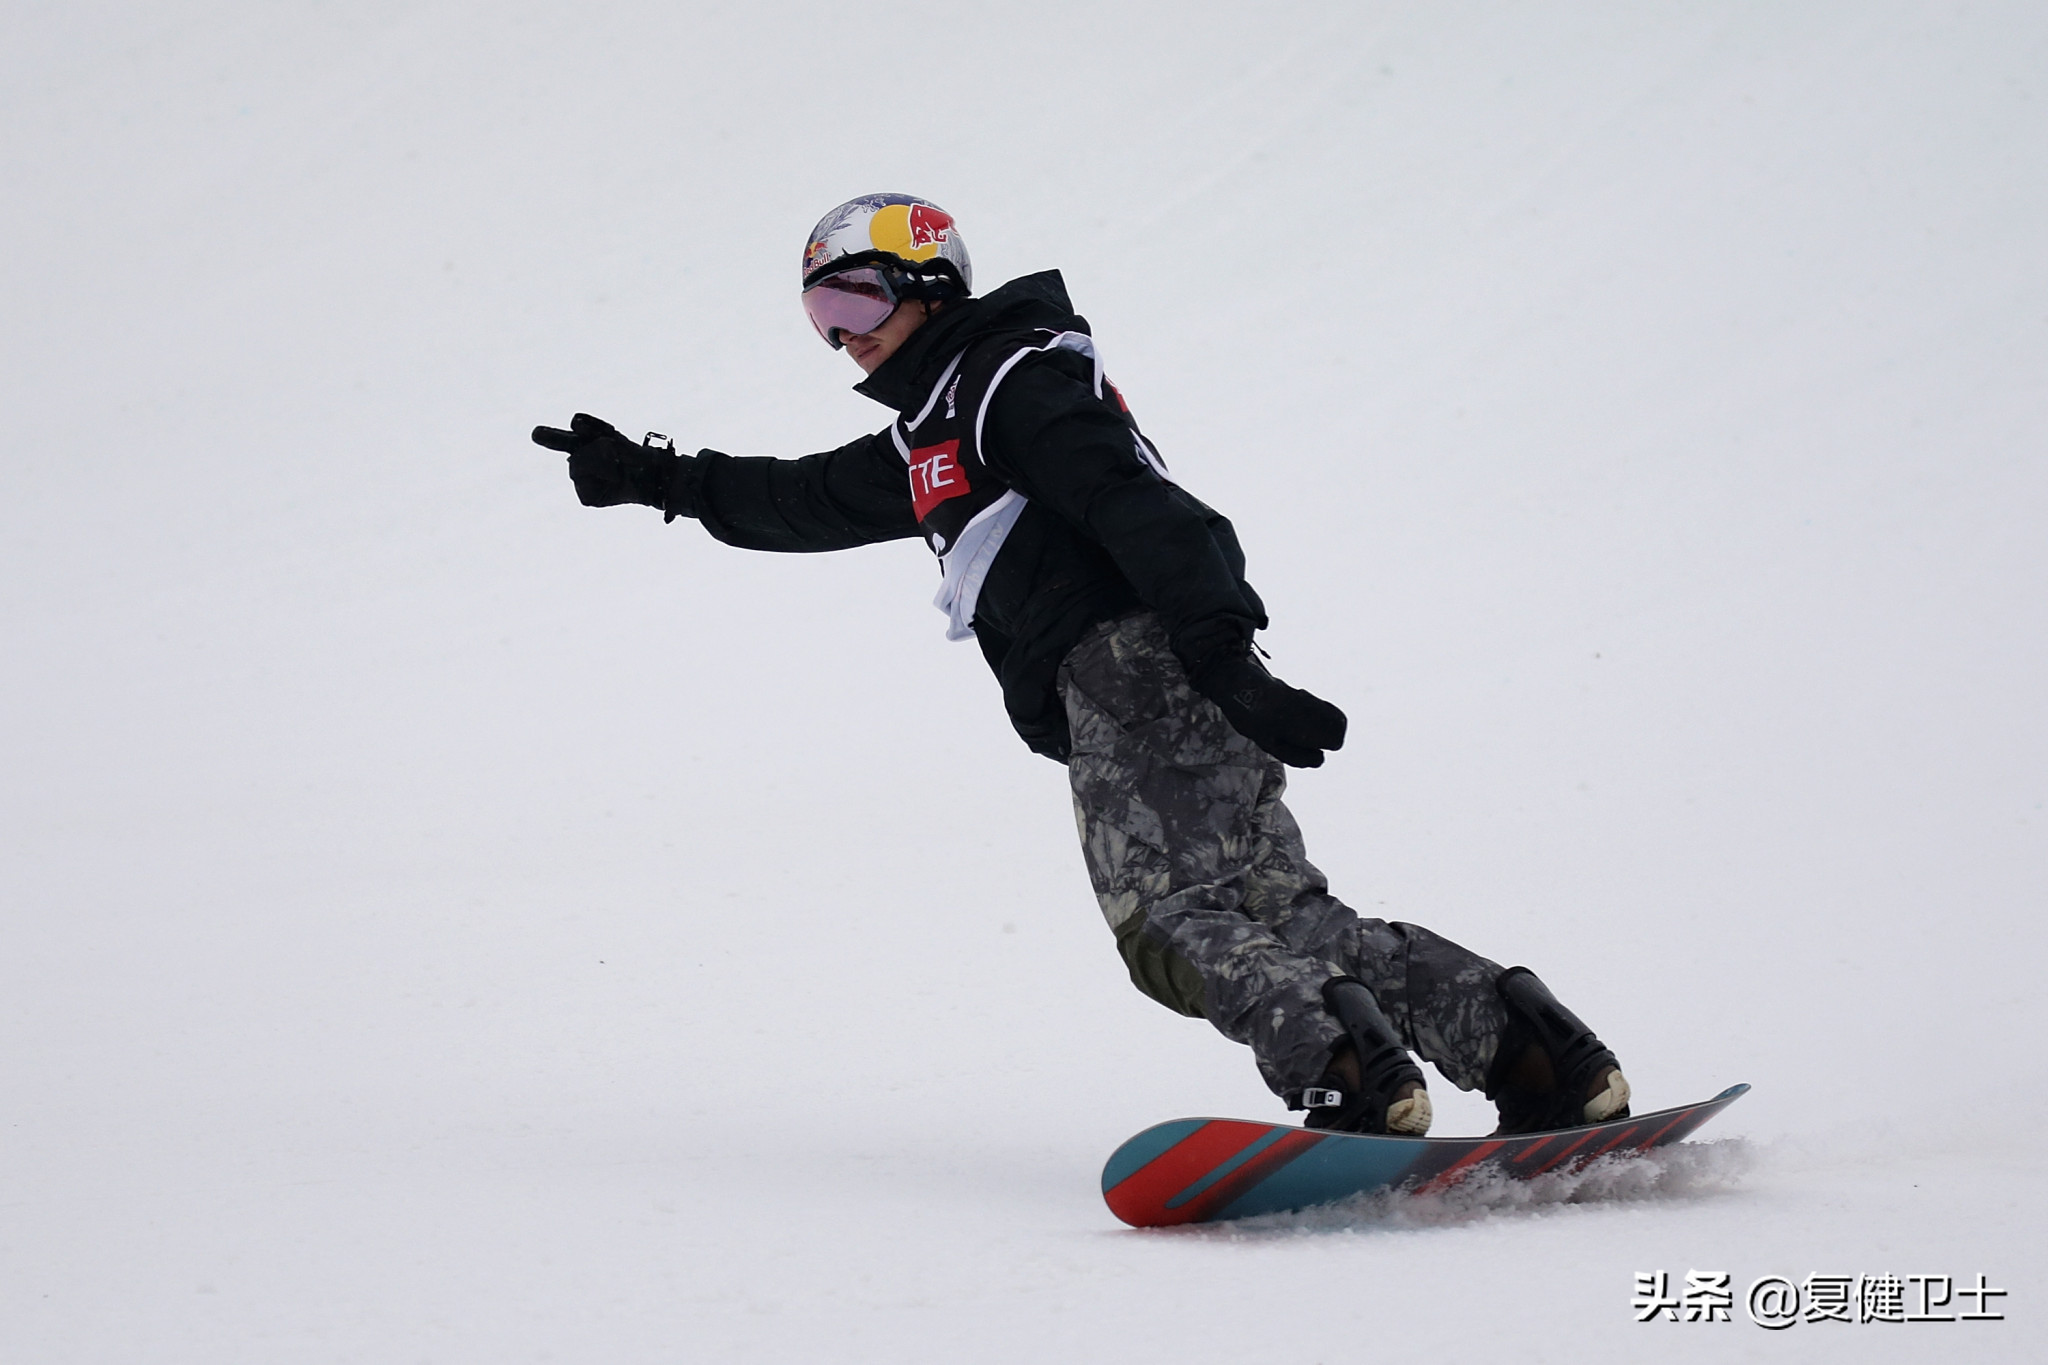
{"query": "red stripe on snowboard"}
pixel 1458 1169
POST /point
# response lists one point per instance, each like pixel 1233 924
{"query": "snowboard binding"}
pixel 1550 1071
pixel 1386 1094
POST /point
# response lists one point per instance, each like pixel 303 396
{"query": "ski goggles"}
pixel 850 303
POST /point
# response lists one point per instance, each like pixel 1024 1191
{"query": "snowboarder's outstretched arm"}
pixel 855 495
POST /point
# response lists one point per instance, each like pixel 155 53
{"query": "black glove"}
pixel 1292 725
pixel 608 468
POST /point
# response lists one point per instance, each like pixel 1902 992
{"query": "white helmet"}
pixel 914 238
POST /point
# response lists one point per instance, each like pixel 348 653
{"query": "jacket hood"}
pixel 1028 302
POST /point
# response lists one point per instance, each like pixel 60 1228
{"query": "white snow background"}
pixel 446 923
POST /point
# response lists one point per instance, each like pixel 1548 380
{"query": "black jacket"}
pixel 1103 534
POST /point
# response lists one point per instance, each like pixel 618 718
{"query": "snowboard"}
pixel 1210 1170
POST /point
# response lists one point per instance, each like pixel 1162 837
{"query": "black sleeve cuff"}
pixel 682 500
pixel 1199 644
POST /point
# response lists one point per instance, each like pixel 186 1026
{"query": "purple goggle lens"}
pixel 853 302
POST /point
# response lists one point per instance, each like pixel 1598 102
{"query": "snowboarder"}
pixel 1113 608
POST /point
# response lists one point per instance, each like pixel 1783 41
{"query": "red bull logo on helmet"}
pixel 929 226
pixel 913 231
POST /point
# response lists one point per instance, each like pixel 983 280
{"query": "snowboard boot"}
pixel 1550 1071
pixel 1371 1085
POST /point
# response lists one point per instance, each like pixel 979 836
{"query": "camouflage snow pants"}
pixel 1203 878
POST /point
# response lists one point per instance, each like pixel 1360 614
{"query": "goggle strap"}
pixel 937 278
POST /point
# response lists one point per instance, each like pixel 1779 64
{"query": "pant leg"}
pixel 1201 872
pixel 1439 997
pixel 1166 794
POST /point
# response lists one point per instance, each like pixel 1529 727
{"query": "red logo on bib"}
pixel 935 475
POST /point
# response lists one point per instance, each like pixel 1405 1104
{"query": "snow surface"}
pixel 444 923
